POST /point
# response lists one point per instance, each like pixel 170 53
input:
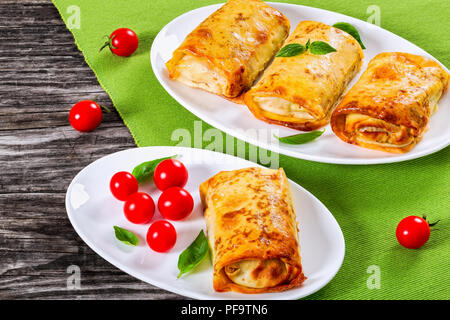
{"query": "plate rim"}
pixel 118 264
pixel 389 158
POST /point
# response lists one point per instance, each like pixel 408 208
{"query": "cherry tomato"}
pixel 139 208
pixel 85 116
pixel 122 185
pixel 122 42
pixel 161 236
pixel 413 232
pixel 170 173
pixel 175 203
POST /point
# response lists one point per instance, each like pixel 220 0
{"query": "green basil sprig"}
pixel 301 138
pixel 293 49
pixel 145 170
pixel 194 254
pixel 351 30
pixel 315 47
pixel 321 48
pixel 126 236
pixel 308 44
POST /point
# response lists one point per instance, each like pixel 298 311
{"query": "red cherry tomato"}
pixel 139 208
pixel 170 173
pixel 85 116
pixel 122 42
pixel 413 232
pixel 122 185
pixel 161 236
pixel 175 203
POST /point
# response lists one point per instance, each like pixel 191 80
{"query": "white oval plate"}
pixel 93 212
pixel 238 121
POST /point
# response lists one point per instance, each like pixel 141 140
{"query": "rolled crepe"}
pixel 388 109
pixel 228 50
pixel 300 91
pixel 252 231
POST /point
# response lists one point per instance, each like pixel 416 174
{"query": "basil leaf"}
pixel 194 254
pixel 320 48
pixel 308 44
pixel 301 138
pixel 351 30
pixel 145 170
pixel 293 49
pixel 126 236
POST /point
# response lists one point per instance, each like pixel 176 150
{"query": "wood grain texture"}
pixel 42 74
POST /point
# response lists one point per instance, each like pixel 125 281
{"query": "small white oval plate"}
pixel 93 212
pixel 238 121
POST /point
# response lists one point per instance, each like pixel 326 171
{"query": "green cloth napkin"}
pixel 367 201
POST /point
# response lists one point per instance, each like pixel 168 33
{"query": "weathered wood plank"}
pixel 42 74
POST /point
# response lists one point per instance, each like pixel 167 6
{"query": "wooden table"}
pixel 42 74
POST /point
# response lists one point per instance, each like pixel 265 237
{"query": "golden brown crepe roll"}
pixel 300 91
pixel 389 107
pixel 228 50
pixel 252 231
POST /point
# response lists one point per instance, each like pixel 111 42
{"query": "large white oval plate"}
pixel 93 212
pixel 237 120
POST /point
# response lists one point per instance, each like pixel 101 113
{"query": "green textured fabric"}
pixel 367 201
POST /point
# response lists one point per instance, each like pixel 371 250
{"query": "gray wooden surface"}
pixel 42 74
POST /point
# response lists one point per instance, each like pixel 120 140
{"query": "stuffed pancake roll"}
pixel 252 231
pixel 228 50
pixel 388 109
pixel 300 91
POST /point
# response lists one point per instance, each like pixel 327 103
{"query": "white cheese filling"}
pixel 242 273
pixel 197 72
pixel 283 107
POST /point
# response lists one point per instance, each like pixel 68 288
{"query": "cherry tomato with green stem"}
pixel 122 42
pixel 413 232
